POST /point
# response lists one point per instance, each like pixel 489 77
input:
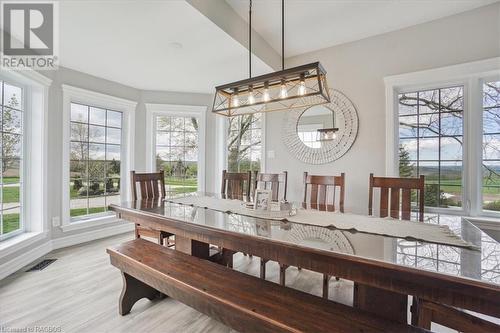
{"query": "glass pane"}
pixel 191 139
pixel 97 204
pixel 112 186
pixel 428 101
pixel 451 184
pixel 113 199
pixel 176 154
pixel 96 170
pixel 97 116
pixel 491 147
pixel 78 169
pixel 452 99
pixel 79 150
pixel 97 134
pixel 96 151
pixel 163 153
pixel 11 171
pixel 11 145
pixel 491 94
pixel 79 132
pixel 11 195
pixel 11 220
pixel 451 148
pixel 113 169
pixel 191 154
pixel 113 152
pixel 451 123
pixel 491 185
pixel 163 138
pixel 407 103
pixel 162 123
pixel 114 135
pixel 114 119
pixel 491 120
pixel 429 125
pixel 191 125
pixel 12 121
pixel 176 138
pixel 78 188
pixel 408 126
pixel 410 147
pixel 429 149
pixel 13 96
pixel 95 189
pixel 177 123
pixel 79 113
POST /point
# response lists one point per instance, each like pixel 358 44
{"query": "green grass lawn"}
pixel 83 211
pixel 10 180
pixel 10 222
pixel 180 181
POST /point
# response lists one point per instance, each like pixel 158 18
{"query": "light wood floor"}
pixel 79 293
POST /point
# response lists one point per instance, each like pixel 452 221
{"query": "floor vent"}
pixel 41 265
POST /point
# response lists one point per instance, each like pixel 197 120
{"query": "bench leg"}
pixel 283 268
pixel 263 268
pixel 326 285
pixel 133 290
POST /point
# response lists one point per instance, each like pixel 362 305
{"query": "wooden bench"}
pixel 242 302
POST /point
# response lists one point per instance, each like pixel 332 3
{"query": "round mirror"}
pixel 316 126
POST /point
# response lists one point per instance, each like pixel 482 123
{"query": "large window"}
pixel 244 143
pixel 491 146
pixel 431 140
pixel 11 157
pixel 95 157
pixel 176 151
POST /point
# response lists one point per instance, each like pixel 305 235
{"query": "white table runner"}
pixel 419 231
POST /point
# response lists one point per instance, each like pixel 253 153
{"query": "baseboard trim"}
pixel 30 256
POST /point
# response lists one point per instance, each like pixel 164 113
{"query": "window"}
pixel 431 142
pixel 11 157
pixel 308 134
pixel 176 151
pixel 491 146
pixel 244 143
pixel 95 156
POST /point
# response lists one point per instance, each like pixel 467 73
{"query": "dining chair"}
pixel 275 182
pixel 400 196
pixel 152 186
pixel 236 185
pixel 321 193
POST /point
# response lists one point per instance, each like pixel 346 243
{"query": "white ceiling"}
pixel 315 24
pixel 133 43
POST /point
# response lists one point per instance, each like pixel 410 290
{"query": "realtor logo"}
pixel 29 35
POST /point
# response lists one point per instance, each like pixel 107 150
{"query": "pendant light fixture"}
pixel 301 86
pixel 328 134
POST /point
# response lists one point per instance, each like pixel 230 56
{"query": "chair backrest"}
pixel 397 202
pixel 272 181
pixel 323 192
pixel 236 185
pixel 152 185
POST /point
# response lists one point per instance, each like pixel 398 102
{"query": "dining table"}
pixel 385 269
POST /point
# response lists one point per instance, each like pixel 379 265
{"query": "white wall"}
pixel 357 69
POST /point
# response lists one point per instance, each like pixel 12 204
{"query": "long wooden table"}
pixel 385 270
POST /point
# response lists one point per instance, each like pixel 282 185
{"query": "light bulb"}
pixel 235 101
pixel 302 85
pixel 283 92
pixel 302 88
pixel 251 98
pixel 334 135
pixel 265 95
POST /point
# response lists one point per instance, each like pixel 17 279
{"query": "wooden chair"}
pixel 400 196
pixel 236 185
pixel 152 186
pixel 272 181
pixel 322 196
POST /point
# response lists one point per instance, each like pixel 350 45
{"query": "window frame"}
pixel 73 94
pixel 172 110
pixel 470 76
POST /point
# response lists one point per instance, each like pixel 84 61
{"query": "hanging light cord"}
pixel 282 34
pixel 250 39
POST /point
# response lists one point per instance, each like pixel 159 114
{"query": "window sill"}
pixel 485 222
pixel 16 243
pixel 91 222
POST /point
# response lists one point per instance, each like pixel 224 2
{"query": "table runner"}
pixel 432 233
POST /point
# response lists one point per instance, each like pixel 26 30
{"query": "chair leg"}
pixel 326 285
pixel 283 268
pixel 136 231
pixel 263 268
pixel 160 239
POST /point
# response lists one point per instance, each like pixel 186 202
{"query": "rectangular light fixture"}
pixel 296 87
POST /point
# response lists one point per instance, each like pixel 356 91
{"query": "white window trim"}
pixel 87 97
pixel 200 112
pixel 470 75
pixel 35 223
pixel 221 141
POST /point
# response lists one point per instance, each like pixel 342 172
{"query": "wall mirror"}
pixel 322 133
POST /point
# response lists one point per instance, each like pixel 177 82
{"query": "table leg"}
pixel 192 247
pixel 385 303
